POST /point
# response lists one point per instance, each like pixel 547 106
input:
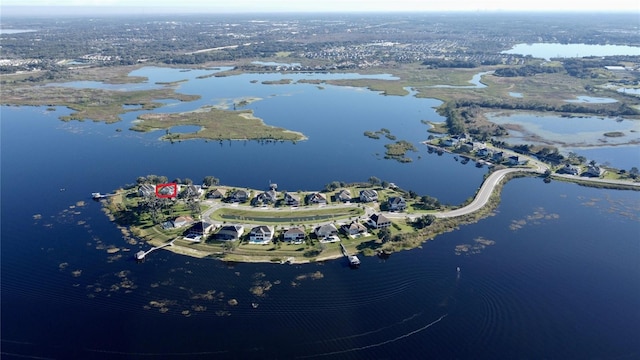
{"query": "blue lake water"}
pixel 553 50
pixel 476 82
pixel 555 284
pixel 577 133
pixel 629 91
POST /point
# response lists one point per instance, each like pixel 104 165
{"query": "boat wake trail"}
pixel 376 344
pixel 372 331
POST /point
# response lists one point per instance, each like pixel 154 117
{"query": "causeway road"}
pixel 483 195
pixel 480 200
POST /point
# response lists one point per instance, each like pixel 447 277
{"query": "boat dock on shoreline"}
pixel 354 262
pixel 97 195
pixel 140 255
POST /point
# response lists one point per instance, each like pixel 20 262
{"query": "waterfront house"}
pixel 189 191
pixel 217 194
pixel 354 228
pixel 368 195
pixel 397 203
pixel 594 171
pixel 483 152
pixel 379 221
pixel 343 195
pixel 267 197
pixel 146 190
pixel 326 231
pixel 316 198
pixel 229 233
pixel 498 156
pixel 515 160
pixel 239 196
pixel 261 235
pixel 167 191
pixel 477 145
pixel 291 199
pixel 569 169
pixel 294 235
pixel 201 228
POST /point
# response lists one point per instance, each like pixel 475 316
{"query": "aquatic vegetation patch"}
pixel 476 247
pixel 536 218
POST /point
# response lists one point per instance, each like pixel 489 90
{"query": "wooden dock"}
pixel 140 255
pixel 354 262
pixel 98 196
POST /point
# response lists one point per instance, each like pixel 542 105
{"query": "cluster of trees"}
pixel 583 67
pixel 455 123
pixel 423 221
pixel 429 203
pixel 210 181
pixel 527 70
pixel 152 179
pixel 440 63
pixel 155 179
pixel 602 109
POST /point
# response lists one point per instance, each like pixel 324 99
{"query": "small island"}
pixel 215 124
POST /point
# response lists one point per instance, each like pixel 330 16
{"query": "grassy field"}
pixel 216 124
pixel 287 216
pixel 90 104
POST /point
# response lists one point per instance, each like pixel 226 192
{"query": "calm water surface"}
pixel 554 284
pixel 583 135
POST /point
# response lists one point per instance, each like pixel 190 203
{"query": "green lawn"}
pixel 286 216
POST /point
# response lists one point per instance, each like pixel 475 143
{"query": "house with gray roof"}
pixel 261 235
pixel 239 196
pixel 291 199
pixel 201 228
pixel 316 198
pixel 379 221
pixel 343 195
pixel 217 194
pixel 294 235
pixel 354 228
pixel 146 190
pixel 569 169
pixel 229 233
pixel 326 231
pixel 397 203
pixel 368 195
pixel 267 197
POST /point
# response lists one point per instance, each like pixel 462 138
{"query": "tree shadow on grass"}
pixel 371 244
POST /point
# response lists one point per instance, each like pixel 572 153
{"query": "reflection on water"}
pixel 592 100
pixel 582 135
pixel 476 80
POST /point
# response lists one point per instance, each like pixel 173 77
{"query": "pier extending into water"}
pixel 140 255
pixel 97 195
pixel 354 262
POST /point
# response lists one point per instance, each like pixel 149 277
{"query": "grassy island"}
pixel 215 124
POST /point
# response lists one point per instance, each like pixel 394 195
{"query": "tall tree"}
pixel 210 181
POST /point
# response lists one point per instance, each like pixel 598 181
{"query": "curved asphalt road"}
pixel 480 200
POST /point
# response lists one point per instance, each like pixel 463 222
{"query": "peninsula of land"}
pixel 268 225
